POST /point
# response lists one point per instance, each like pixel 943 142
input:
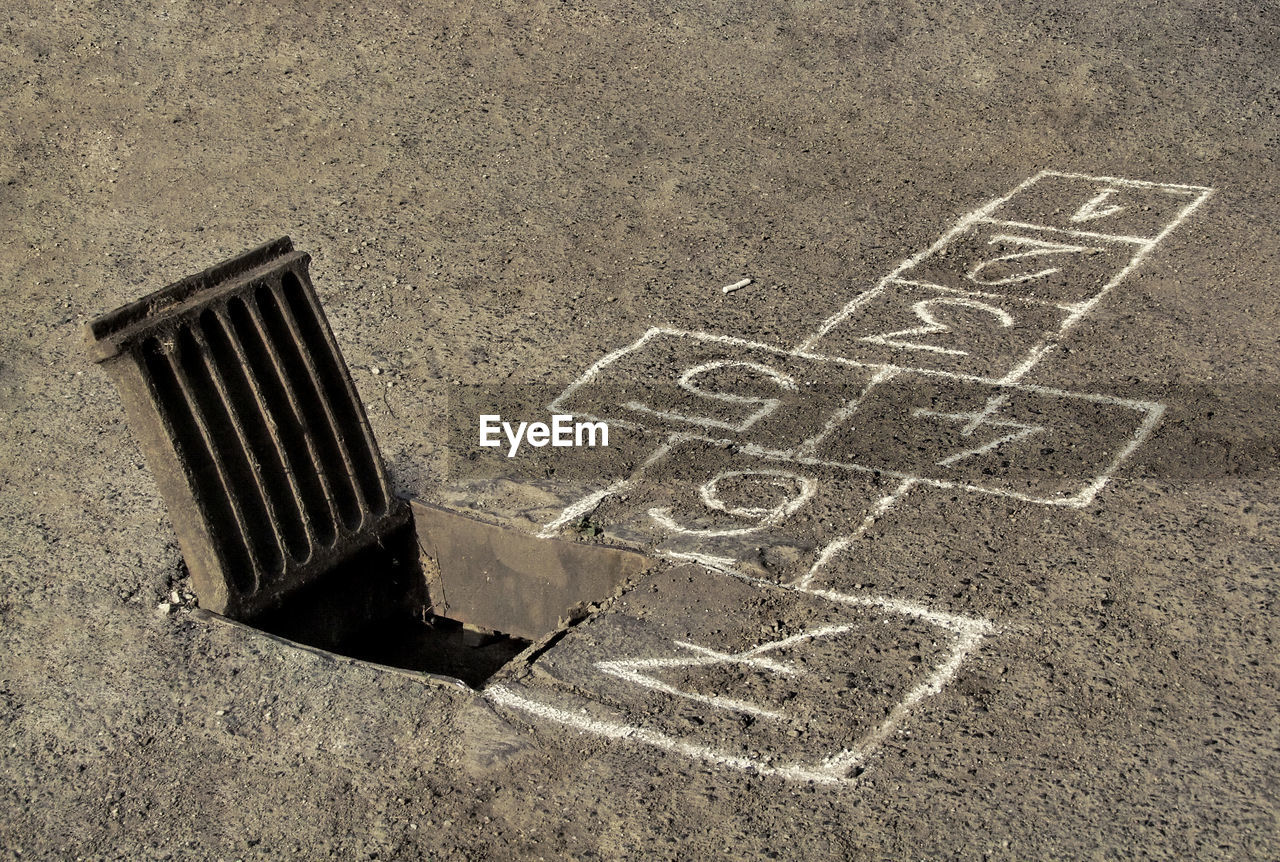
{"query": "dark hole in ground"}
pixel 374 607
pixel 436 645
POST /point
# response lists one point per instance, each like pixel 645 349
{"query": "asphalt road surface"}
pixel 965 506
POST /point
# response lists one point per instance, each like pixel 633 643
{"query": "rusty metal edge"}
pixel 107 334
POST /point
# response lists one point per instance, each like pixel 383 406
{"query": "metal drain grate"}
pixel 249 419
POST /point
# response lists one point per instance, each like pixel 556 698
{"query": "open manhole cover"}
pixel 248 416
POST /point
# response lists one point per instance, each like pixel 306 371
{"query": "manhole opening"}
pixel 450 595
pixel 437 645
pixel 375 607
pixel 247 414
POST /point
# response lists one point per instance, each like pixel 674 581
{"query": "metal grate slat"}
pixel 312 328
pixel 266 524
pixel 225 481
pixel 315 405
pixel 283 488
pixel 287 429
pixel 272 369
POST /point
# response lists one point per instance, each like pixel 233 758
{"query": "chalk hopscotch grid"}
pixel 983 215
pixel 968 632
pixel 801 454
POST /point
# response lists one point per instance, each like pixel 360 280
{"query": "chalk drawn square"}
pixel 791 683
pixel 1032 443
pixel 1128 209
pixel 713 387
pixel 759 515
pixel 925 326
pixel 994 259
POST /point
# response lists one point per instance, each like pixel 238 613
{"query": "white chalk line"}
pixel 752 657
pixel 581 507
pixel 620 730
pixel 883 373
pixel 1086 496
pixel 1083 234
pixel 710 498
pixel 656 331
pixel 1093 484
pixel 586 504
pixel 955 623
pixel 981 215
pixel 858 754
pixel 1192 206
pixel 1134 262
pixel 767 517
pixel 1097 207
pixel 924 310
pixel 1075 312
pixel 1077 499
pixel 633 670
pixel 703 421
pixel 685 382
pixel 1004 297
pixel 723 565
pixel 1071 500
pixel 969 632
pixel 961 225
pixel 934 372
pixel 1092 302
pixel 883 505
pixel 1034 248
pixel 1029 361
pixel 993 405
pixel 976 419
pixel 842 415
pixel 602 362
pixel 1122 181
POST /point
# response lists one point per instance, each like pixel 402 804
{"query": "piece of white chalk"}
pixel 730 288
